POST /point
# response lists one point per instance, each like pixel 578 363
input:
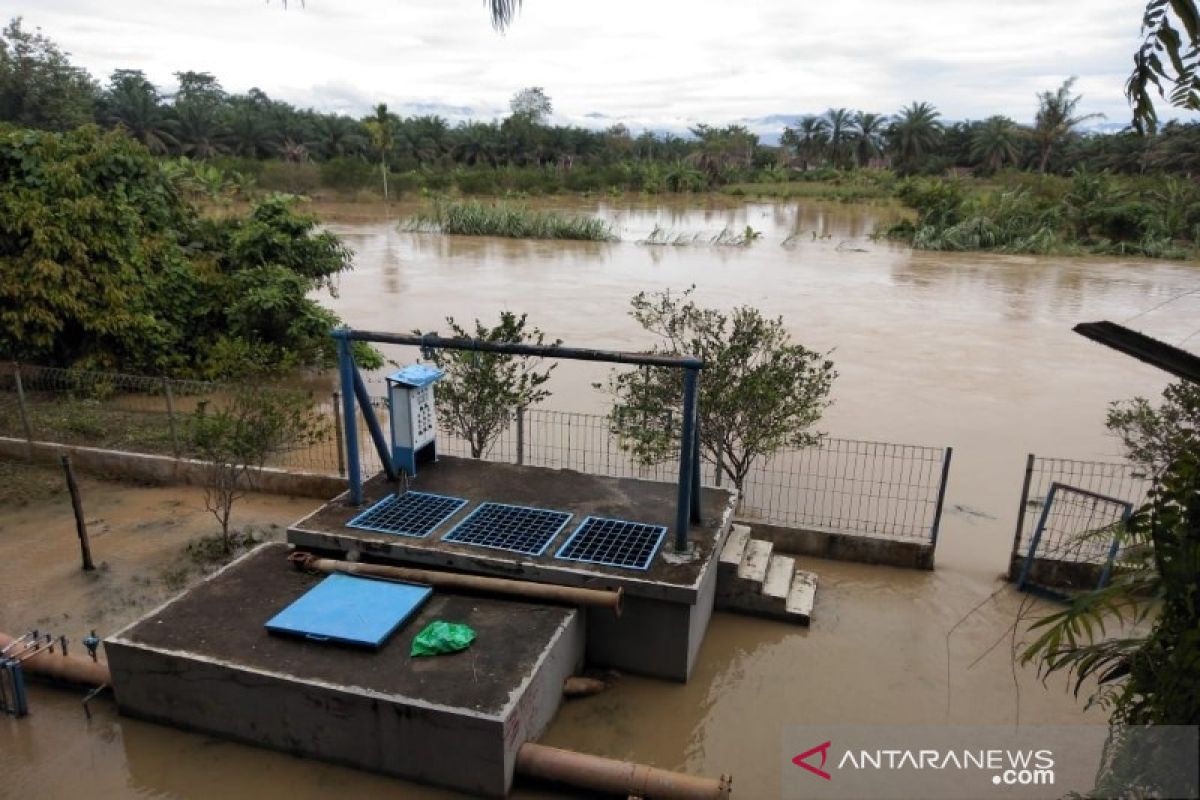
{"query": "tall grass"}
pixel 1089 213
pixel 471 218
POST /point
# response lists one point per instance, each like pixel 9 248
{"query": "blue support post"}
pixel 1037 536
pixel 381 445
pixel 346 369
pixel 697 515
pixel 687 461
pixel 1115 548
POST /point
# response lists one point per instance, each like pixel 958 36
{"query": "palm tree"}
pixel 840 124
pixel 199 131
pixel 807 139
pixel 995 142
pixel 1056 119
pixel 133 103
pixel 337 136
pixel 250 133
pixel 868 136
pixel 381 129
pixel 914 133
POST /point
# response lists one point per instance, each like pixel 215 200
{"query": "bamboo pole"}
pixel 85 545
pixel 617 777
pixel 603 598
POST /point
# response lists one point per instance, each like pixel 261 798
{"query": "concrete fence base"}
pixel 1057 574
pixel 844 546
pixel 164 470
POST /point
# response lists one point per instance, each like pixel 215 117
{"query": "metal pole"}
pixel 373 427
pixel 24 409
pixel 687 443
pixel 1037 536
pixel 349 416
pixel 521 435
pixel 1016 545
pixel 171 415
pixel 85 546
pixel 337 434
pixel 521 349
pixel 941 498
pixel 697 516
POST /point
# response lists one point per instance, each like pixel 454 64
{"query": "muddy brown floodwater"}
pixel 969 350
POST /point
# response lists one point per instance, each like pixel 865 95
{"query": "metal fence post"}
pixel 941 497
pixel 171 416
pixel 24 409
pixel 337 433
pixel 1016 546
pixel 521 435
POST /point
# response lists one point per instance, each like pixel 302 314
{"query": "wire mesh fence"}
pixel 874 488
pixel 1118 481
pixel 866 488
pixel 1078 526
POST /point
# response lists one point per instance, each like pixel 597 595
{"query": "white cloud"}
pixel 660 63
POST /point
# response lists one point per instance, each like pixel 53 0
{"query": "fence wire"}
pixel 843 485
pixel 1123 481
pixel 1079 526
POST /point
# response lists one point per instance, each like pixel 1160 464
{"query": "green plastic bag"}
pixel 440 638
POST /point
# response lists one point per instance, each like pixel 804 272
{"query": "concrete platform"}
pixel 205 662
pixel 667 607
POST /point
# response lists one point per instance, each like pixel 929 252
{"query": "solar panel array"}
pixel 410 514
pixel 520 529
pixel 613 543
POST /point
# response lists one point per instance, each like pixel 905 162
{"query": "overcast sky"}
pixel 649 63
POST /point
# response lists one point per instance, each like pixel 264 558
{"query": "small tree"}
pixel 481 391
pixel 531 104
pixel 236 439
pixel 759 391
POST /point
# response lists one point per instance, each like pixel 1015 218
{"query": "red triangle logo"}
pixel 800 760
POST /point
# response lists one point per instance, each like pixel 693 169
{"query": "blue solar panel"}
pixel 349 609
pixel 613 543
pixel 521 529
pixel 409 514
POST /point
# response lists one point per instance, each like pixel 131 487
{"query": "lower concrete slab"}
pixel 205 662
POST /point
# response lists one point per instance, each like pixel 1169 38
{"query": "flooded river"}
pixel 969 350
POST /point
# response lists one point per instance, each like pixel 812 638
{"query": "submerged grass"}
pixel 472 218
pixel 728 237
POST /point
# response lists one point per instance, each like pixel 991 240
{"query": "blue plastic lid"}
pixel 351 610
pixel 416 375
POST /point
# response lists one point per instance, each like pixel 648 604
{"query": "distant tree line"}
pixel 200 120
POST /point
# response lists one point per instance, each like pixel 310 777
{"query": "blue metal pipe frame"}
pixel 688 502
pixel 346 370
pixel 381 445
pixel 688 510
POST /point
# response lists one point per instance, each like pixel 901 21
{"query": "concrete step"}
pixel 729 561
pixel 755 562
pixel 753 579
pixel 740 588
pixel 735 547
pixel 802 596
pixel 779 577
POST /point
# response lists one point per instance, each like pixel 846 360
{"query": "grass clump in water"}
pixel 471 218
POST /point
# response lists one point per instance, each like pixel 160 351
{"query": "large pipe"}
pixel 602 598
pixel 598 774
pixel 58 667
